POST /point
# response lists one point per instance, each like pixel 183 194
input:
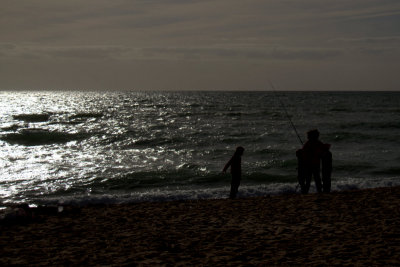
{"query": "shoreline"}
pixel 246 190
pixel 357 227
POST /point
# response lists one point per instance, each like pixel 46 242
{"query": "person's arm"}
pixel 227 165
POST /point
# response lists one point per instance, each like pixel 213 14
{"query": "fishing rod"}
pixel 291 123
pixel 286 113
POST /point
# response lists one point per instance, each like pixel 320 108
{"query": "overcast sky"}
pixel 200 45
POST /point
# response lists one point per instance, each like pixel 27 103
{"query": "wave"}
pixel 32 117
pixel 12 128
pixel 268 178
pixel 189 177
pixel 352 167
pixel 348 136
pixel 234 114
pixel 32 137
pixel 198 193
pixel 388 171
pixel 340 109
pixel 371 125
pixel 85 115
pixel 357 137
pixel 232 140
pixel 273 152
pixel 158 141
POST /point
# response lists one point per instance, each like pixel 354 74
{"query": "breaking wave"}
pixel 87 115
pixel 32 137
pixel 32 117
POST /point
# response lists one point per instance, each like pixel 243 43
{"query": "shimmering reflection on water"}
pixel 77 143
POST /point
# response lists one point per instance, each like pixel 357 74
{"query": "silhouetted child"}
pixel 236 170
pixel 310 157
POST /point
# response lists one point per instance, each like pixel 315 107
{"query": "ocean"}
pixel 121 147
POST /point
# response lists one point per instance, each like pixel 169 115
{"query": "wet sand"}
pixel 360 228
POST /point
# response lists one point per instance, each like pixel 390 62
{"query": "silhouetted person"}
pixel 236 170
pixel 309 163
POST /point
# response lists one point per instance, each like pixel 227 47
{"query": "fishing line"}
pixel 290 120
pixel 286 113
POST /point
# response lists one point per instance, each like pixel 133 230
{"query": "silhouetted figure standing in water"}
pixel 309 163
pixel 236 170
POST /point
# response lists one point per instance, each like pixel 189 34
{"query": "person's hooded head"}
pixel 313 135
pixel 239 151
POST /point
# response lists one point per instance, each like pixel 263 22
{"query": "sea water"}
pixel 112 147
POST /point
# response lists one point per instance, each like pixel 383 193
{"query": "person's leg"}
pixel 317 178
pixel 234 190
pixel 301 175
pixel 327 172
pixel 307 178
pixel 326 184
pixel 234 186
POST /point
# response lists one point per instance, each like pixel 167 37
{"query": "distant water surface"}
pixel 97 147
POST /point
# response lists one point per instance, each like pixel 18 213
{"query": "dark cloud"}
pixel 244 53
pixel 86 52
pixel 165 53
pixel 370 40
pixel 70 52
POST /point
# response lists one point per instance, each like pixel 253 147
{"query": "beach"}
pixel 349 228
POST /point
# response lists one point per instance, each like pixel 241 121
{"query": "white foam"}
pixel 162 195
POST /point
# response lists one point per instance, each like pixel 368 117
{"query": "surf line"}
pixel 286 112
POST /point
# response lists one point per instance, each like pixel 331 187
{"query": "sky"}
pixel 199 44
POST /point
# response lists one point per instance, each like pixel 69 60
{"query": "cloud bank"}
pixel 199 45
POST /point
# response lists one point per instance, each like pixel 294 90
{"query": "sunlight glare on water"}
pixel 75 144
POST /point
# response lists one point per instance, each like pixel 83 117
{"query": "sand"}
pixel 353 228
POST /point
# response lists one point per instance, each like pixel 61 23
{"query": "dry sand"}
pixel 350 228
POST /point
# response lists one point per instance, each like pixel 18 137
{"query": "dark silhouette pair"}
pixel 313 159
